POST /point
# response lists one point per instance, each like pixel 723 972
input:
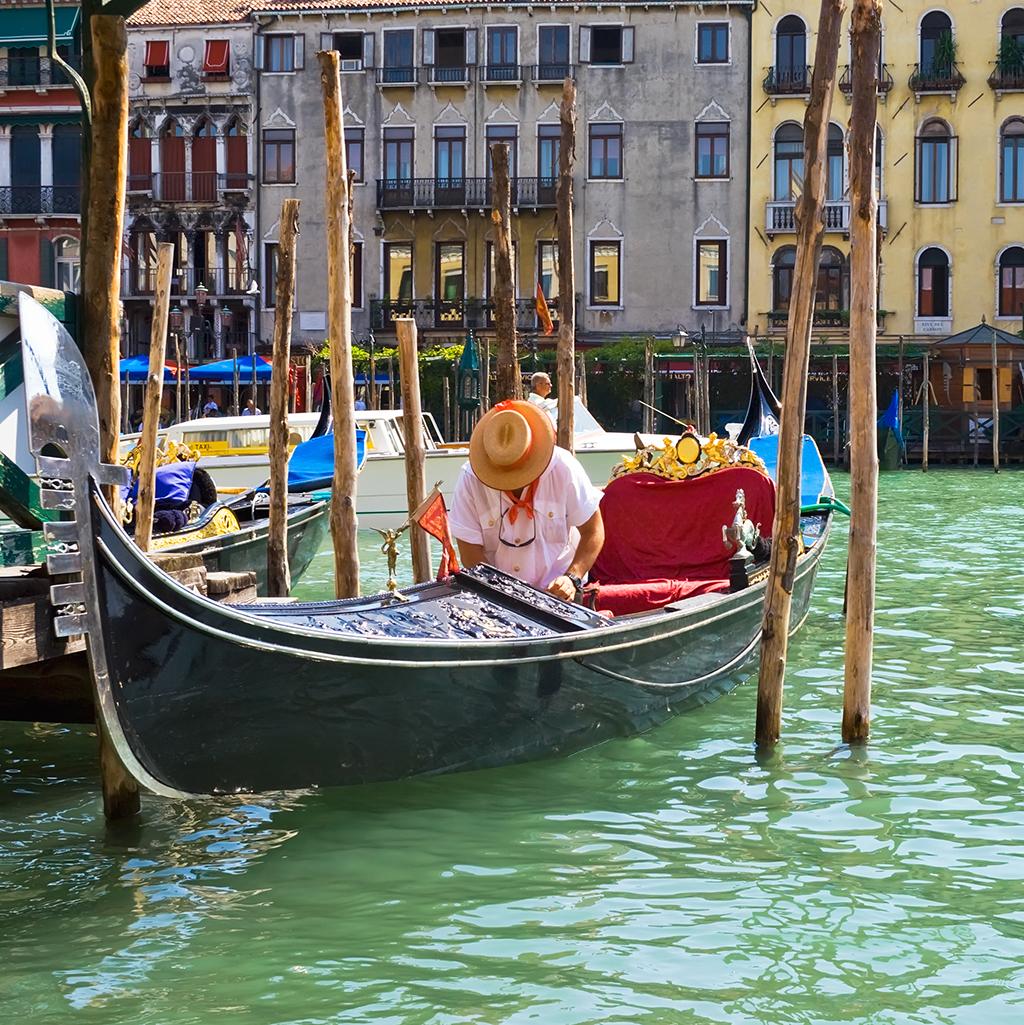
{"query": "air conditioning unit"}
pixel 351 65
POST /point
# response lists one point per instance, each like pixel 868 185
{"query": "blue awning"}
pixel 223 371
pixel 136 370
pixel 27 26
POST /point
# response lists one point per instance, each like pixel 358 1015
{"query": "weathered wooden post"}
pixel 391 383
pixel 581 388
pixel 415 448
pixel 927 386
pixel 371 391
pixel 447 420
pixel 566 361
pixel 308 372
pixel 835 409
pixel 995 402
pixel 647 417
pixel 485 377
pixel 279 577
pixel 510 384
pixel 976 411
pixel 236 391
pixel 178 377
pixel 151 402
pixel 339 327
pixel 866 37
pixel 810 228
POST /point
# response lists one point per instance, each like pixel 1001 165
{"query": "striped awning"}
pixel 27 26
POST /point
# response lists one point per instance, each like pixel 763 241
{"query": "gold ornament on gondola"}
pixel 687 457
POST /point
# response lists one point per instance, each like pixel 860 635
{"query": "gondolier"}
pixel 525 506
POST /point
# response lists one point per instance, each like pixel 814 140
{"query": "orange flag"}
pixel 543 313
pixel 432 516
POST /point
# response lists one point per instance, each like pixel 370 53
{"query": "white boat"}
pixel 234 451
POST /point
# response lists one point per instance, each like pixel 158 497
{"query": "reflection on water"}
pixel 665 879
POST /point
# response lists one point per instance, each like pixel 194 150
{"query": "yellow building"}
pixel 950 167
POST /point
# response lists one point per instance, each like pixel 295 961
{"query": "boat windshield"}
pixel 583 420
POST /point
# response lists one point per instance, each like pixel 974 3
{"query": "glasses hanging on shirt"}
pixel 504 525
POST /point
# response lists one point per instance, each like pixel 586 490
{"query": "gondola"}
pixel 473 671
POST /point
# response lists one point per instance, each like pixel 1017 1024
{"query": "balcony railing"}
pixel 140 280
pixel 836 319
pixel 434 315
pixel 780 216
pixel 553 73
pixel 185 187
pixel 793 81
pixel 459 193
pixel 36 199
pixel 398 76
pixel 497 74
pixel 1007 78
pixel 450 74
pixel 937 78
pixel 35 72
pixel 884 83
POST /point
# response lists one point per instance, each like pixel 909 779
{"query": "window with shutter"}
pixel 158 58
pixel 216 58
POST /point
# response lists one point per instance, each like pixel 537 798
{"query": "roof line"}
pixel 416 5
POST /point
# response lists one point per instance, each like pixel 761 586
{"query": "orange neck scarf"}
pixel 524 502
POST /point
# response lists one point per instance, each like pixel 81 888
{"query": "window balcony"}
pixel 501 74
pixel 435 315
pixel 460 193
pixel 36 200
pixel 450 74
pixel 182 187
pixel 788 81
pixel 835 320
pixel 884 86
pixel 405 78
pixel 552 74
pixel 1006 78
pixel 140 281
pixel 780 216
pixel 936 78
pixel 34 72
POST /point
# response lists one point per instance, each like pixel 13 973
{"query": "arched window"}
pixel 1012 25
pixel 204 162
pixel 1011 161
pixel 172 161
pixel 782 277
pixel 836 164
pixel 140 158
pixel 67 257
pixel 935 163
pixel 237 156
pixel 789 162
pixel 1011 282
pixel 937 49
pixel 933 283
pixel 831 290
pixel 791 55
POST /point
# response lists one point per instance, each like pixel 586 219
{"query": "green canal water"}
pixel 669 878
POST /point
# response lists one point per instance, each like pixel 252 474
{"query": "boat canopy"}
pixel 312 463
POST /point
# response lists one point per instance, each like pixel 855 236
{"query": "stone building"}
pixel 661 171
pixel 191 178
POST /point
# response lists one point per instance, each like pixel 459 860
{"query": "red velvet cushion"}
pixel 662 537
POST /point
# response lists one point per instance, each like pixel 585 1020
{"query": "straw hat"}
pixel 512 445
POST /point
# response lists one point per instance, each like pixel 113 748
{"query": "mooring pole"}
pixel 995 402
pixel 339 326
pixel 415 449
pixel 835 409
pixel 860 612
pixel 279 578
pixel 647 417
pixel 510 383
pixel 786 535
pixel 151 402
pixel 566 360
pixel 924 413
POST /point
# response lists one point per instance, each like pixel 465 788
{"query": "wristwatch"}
pixel 576 581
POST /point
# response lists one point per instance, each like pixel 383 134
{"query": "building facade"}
pixel 40 148
pixel 950 168
pixel 191 175
pixel 661 159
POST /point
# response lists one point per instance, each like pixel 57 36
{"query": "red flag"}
pixel 543 313
pixel 432 516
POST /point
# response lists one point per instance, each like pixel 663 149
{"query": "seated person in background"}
pixel 525 506
pixel 211 408
pixel 251 409
pixel 540 389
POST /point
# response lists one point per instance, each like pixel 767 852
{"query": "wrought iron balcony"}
pixel 789 81
pixel 188 187
pixel 36 199
pixel 501 74
pixel 937 78
pixel 835 319
pixel 459 193
pixel 450 74
pixel 34 72
pixel 437 315
pixel 884 83
pixel 140 281
pixel 1007 78
pixel 553 74
pixel 398 76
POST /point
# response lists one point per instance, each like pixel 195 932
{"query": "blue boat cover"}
pixel 891 417
pixel 136 369
pixel 312 463
pixel 173 484
pixel 814 478
pixel 223 371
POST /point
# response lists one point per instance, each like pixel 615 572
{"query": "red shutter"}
pixel 172 167
pixel 140 165
pixel 158 53
pixel 238 162
pixel 215 62
pixel 926 300
pixel 204 168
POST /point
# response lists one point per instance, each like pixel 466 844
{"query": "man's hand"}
pixel 562 587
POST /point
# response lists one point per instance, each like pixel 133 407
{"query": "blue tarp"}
pixel 814 480
pixel 891 418
pixel 223 371
pixel 312 463
pixel 377 378
pixel 136 370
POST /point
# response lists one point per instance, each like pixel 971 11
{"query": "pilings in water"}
pixel 279 578
pixel 995 403
pixel 866 35
pixel 415 447
pixel 786 536
pixel 566 357
pixel 926 388
pixel 510 380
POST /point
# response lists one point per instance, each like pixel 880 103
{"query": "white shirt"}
pixel 564 500
pixel 539 400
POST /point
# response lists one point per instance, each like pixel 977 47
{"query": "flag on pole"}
pixel 432 516
pixel 241 252
pixel 543 313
